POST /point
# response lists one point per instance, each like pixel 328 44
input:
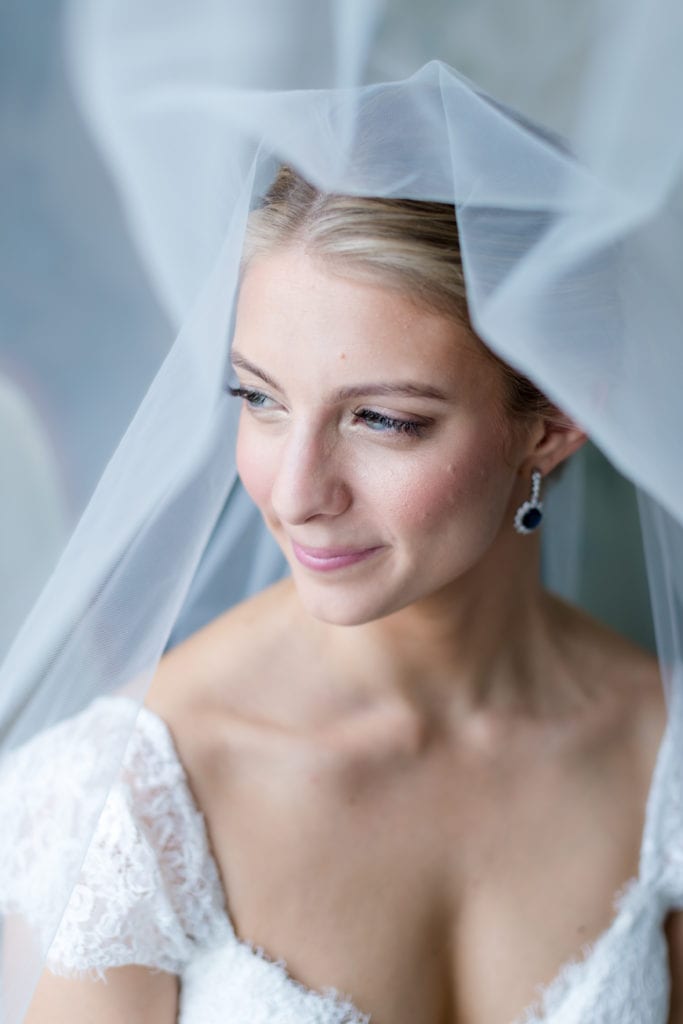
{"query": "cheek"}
pixel 463 492
pixel 255 465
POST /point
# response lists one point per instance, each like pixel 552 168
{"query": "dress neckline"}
pixel 635 896
pixel 630 896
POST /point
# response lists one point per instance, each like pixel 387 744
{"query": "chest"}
pixel 411 889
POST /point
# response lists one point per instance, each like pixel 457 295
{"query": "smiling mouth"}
pixel 327 559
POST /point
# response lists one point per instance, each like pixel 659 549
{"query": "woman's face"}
pixel 373 438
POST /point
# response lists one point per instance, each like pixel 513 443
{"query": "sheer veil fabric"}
pixel 563 156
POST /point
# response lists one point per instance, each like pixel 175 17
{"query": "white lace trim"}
pixel 260 990
pixel 620 978
pixel 623 976
pixel 148 891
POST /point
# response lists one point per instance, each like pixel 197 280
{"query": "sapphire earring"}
pixel 530 513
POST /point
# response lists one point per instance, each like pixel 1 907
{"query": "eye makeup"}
pixel 377 422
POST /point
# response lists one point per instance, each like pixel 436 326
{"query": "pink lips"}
pixel 327 559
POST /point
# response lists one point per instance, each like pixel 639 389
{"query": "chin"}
pixel 346 605
pixel 338 613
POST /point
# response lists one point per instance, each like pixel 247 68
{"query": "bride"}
pixel 422 778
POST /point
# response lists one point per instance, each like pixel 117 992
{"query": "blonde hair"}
pixel 407 244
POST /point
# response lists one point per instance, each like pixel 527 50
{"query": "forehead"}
pixel 295 311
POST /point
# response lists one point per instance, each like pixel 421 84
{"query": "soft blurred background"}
pixel 83 329
pixel 79 335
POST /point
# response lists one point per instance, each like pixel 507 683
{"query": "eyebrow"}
pixel 410 388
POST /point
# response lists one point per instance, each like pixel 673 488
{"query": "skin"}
pixel 451 764
pixel 324 476
pixel 453 593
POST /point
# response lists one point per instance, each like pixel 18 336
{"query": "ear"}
pixel 556 438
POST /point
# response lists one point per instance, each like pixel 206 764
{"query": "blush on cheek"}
pixel 440 491
pixel 254 469
pixel 415 501
pixel 438 498
pixel 466 495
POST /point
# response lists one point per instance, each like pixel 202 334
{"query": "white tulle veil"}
pixel 562 154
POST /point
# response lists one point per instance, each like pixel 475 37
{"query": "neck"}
pixel 484 642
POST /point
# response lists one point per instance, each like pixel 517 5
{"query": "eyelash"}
pixel 410 427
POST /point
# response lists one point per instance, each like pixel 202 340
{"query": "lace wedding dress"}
pixel 149 892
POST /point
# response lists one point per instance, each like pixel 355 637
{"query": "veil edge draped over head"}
pixel 569 265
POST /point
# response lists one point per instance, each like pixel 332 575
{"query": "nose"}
pixel 310 479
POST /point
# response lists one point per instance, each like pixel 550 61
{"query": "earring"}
pixel 530 513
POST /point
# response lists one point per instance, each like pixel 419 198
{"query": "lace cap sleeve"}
pixel 147 890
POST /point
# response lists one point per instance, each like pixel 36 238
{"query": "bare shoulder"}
pixel 248 630
pixel 626 677
pixel 243 666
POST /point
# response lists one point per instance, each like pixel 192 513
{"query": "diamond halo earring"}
pixel 530 513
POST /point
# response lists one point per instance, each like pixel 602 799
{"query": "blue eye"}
pixel 380 423
pixel 253 398
pixel 376 421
